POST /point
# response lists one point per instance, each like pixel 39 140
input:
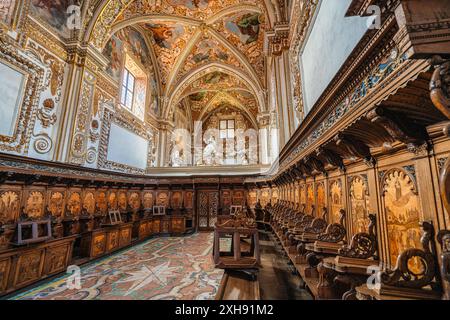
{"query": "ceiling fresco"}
pixel 202 49
pixel 189 35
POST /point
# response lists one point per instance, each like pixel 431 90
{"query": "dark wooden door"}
pixel 207 208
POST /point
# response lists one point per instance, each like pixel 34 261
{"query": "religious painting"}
pixel 147 200
pixel 162 199
pixel 9 205
pixel 7 11
pixel 321 197
pixel 246 27
pixel 402 209
pixel 176 199
pixel 89 202
pixel 136 44
pixel 56 203
pixel 34 205
pixel 115 55
pixel 336 200
pixel 191 4
pixel 208 50
pixel 215 77
pixel 238 198
pixel 189 199
pixel 359 204
pixel 165 34
pixel 112 200
pixel 122 201
pixel 74 203
pixel 55 13
pixel 309 198
pixel 134 201
pixel 102 202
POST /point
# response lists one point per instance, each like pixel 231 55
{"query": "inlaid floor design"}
pixel 159 269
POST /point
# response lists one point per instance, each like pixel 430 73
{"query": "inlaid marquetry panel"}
pixel 112 200
pixel 147 199
pixel 74 202
pixel 89 201
pixel 238 197
pixel 56 201
pixel 10 199
pixel 302 194
pixel 321 197
pixel 102 201
pixel 402 211
pixel 252 198
pixel 34 203
pixel 177 199
pixel 359 198
pixel 336 200
pixel 309 197
pixel 134 200
pixel 189 199
pixel 122 202
pixel 162 199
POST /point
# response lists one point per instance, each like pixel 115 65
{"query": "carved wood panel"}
pixel 238 198
pixel 336 200
pixel 112 200
pixel 74 202
pixel 275 195
pixel 321 197
pixel 102 201
pixel 402 212
pixel 162 199
pixel 189 199
pixel 134 200
pixel 359 198
pixel 34 203
pixel 10 198
pixel 122 201
pixel 177 198
pixel 147 199
pixel 208 206
pixel 309 197
pixel 89 201
pixel 251 198
pixel 56 202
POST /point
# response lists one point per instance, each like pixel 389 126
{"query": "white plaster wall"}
pixel 331 40
pixel 127 148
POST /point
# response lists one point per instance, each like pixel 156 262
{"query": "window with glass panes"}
pixel 127 89
pixel 226 129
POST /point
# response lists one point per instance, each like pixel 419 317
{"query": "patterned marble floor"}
pixel 159 269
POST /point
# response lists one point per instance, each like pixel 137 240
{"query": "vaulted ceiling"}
pixel 206 52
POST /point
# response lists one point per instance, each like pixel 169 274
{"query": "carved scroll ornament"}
pixel 335 232
pixel 404 276
pixel 363 245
